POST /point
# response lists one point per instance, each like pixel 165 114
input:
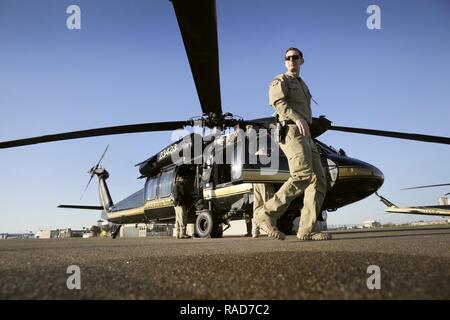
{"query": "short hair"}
pixel 292 48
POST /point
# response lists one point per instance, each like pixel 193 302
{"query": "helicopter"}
pixel 222 192
pixel 441 209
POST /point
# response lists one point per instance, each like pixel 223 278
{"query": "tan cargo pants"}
pixel 307 176
pixel 180 220
pixel 261 193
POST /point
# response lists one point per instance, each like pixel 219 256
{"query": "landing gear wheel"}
pixel 207 225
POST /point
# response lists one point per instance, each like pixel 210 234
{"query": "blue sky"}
pixel 127 65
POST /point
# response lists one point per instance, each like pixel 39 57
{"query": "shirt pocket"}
pixel 294 87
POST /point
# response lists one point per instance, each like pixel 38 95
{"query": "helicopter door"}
pixel 152 211
pixel 164 209
pixel 151 188
pixel 166 184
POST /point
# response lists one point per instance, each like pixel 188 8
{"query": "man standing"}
pixel 180 201
pixel 291 98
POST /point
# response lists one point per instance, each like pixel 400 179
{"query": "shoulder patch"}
pixel 275 82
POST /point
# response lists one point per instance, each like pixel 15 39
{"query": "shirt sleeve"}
pixel 277 98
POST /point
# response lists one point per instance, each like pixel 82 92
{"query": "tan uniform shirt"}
pixel 291 98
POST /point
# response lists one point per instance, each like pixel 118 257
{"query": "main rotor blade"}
pixel 428 186
pixel 132 128
pixel 198 26
pixel 70 206
pixel 393 134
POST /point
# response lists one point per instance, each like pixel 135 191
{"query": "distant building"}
pixel 47 234
pixel 4 236
pixel 65 233
pixel 69 233
pixel 146 230
pixel 59 233
pixel 371 224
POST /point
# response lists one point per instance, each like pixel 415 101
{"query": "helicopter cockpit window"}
pixel 165 183
pixel 325 148
pixel 150 188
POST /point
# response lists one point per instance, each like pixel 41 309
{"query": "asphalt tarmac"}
pixel 413 264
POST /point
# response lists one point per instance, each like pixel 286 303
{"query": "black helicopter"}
pixel 441 209
pixel 221 190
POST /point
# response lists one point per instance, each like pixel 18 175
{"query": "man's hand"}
pixel 303 127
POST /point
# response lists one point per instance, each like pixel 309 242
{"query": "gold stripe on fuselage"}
pixel 282 176
pixel 152 204
pixel 160 203
pixel 126 213
pixel 356 172
pixel 168 202
pixel 228 191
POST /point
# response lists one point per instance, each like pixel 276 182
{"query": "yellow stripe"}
pixel 153 204
pixel 126 213
pixel 161 203
pixel 355 172
pixel 228 191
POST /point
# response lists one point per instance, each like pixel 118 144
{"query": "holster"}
pixel 281 131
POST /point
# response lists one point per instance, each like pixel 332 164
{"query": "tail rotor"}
pixel 93 171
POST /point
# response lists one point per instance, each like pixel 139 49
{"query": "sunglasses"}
pixel 294 57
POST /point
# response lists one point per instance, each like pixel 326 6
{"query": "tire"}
pixel 206 225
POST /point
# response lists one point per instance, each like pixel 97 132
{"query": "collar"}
pixel 293 75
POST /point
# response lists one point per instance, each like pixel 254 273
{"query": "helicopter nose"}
pixel 363 173
pixel 378 177
pixel 374 177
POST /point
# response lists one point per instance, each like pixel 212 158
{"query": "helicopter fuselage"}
pixel 225 190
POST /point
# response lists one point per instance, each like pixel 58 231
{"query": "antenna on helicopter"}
pixel 92 171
